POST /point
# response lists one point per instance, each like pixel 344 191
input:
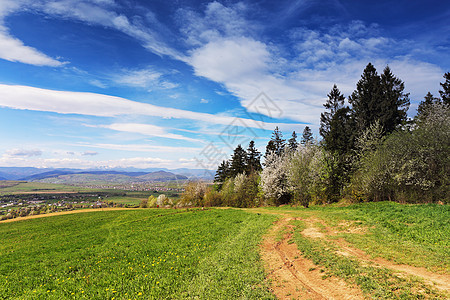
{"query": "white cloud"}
pixel 217 21
pixel 14 50
pixel 98 83
pixel 98 14
pixel 145 78
pixel 91 104
pixel 89 153
pixel 23 153
pixel 148 130
pixel 138 78
pixel 142 148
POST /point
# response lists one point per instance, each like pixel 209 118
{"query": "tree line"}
pixel 369 151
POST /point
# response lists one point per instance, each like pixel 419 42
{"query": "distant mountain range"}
pixel 116 175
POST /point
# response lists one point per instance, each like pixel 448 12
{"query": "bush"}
pixel 212 198
pixel 193 194
pixel 410 165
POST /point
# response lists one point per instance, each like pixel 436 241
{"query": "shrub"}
pixel 193 194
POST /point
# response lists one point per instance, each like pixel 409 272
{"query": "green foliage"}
pixel 410 166
pixel 151 202
pixel 137 254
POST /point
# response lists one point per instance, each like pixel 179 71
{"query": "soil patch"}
pixel 295 277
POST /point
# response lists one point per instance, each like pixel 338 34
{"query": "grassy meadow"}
pixel 134 254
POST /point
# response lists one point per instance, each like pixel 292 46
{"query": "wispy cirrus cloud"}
pixel 94 12
pixel 14 50
pixel 144 78
pixel 89 153
pixel 91 104
pixel 23 153
pixel 141 148
pixel 147 130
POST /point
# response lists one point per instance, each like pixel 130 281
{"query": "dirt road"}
pixel 294 277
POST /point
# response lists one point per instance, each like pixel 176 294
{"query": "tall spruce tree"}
pixel 426 104
pixel 336 124
pixel 238 163
pixel 278 141
pixel 223 172
pixel 292 142
pixel 445 92
pixel 307 136
pixel 334 102
pixel 366 99
pixel 253 159
pixel 394 102
pixel 379 98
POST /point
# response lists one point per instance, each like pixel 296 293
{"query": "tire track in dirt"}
pixel 295 277
pixel 439 281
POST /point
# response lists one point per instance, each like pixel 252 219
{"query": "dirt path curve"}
pixel 439 281
pixel 294 277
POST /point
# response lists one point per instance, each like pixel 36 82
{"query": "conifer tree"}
pixel 445 92
pixel 334 103
pixel 238 161
pixel 270 149
pixel 336 125
pixel 253 159
pixel 394 102
pixel 366 99
pixel 278 141
pixel 307 137
pixel 223 172
pixel 426 104
pixel 292 142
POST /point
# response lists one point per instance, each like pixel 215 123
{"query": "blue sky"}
pixel 121 83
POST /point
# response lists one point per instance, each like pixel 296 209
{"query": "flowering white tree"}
pixel 274 178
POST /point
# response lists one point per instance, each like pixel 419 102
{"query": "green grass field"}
pixel 135 254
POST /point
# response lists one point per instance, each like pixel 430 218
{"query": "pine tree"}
pixel 238 161
pixel 334 103
pixel 366 99
pixel 307 137
pixel 253 159
pixel 445 92
pixel 278 141
pixel 270 149
pixel 426 104
pixel 394 102
pixel 337 125
pixel 223 172
pixel 292 142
